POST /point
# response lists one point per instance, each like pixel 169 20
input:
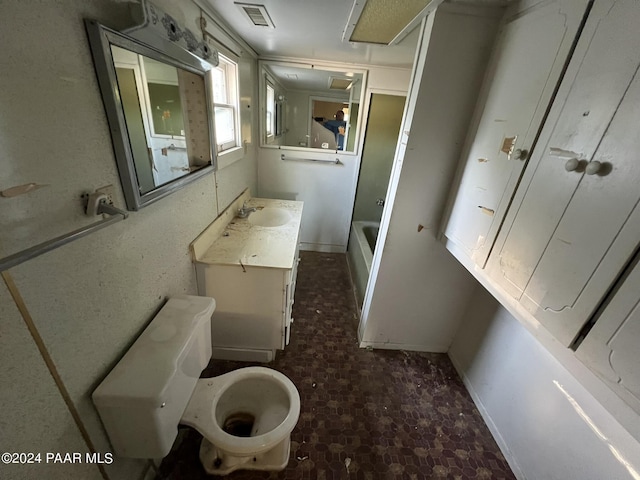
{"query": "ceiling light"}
pixel 257 14
pixel 385 22
pixel 339 83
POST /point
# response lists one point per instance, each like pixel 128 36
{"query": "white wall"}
pixel 297 118
pixel 327 190
pixel 298 114
pixel 547 424
pixel 90 299
pixel 417 291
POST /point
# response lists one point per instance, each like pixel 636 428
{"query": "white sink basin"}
pixel 270 217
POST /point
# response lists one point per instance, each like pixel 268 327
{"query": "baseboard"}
pixel 322 247
pixel 502 445
pixel 404 346
pixel 242 354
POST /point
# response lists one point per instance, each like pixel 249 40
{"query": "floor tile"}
pixel 365 414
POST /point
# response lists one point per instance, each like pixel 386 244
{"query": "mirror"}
pixel 309 106
pixel 158 106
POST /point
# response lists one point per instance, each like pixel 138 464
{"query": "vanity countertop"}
pixel 244 243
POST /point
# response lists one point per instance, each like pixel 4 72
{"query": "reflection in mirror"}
pixel 159 112
pixel 306 106
pixel 151 93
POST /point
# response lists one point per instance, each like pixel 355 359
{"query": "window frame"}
pixel 270 122
pixel 229 68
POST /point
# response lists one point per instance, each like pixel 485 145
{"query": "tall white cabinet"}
pixel 574 224
pixel 533 44
pixel 557 240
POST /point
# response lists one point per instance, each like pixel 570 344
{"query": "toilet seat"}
pixel 204 405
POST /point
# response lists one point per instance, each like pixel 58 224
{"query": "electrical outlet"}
pixel 109 191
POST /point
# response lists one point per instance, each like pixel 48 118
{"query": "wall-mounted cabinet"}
pixel 556 245
pixel 611 347
pixel 574 223
pixel 533 44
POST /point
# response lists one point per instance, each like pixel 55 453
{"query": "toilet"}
pixel 245 416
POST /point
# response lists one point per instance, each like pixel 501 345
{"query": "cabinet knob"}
pixel 593 167
pixel 572 164
pixel 520 154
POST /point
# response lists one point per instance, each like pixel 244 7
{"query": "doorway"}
pixel 381 137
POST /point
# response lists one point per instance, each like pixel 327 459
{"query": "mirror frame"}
pixel 101 39
pixel 328 67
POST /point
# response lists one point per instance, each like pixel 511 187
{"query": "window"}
pixel 271 116
pixel 225 101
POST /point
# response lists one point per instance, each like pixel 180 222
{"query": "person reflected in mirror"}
pixel 338 127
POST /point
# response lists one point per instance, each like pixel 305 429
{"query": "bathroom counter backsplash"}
pixel 243 243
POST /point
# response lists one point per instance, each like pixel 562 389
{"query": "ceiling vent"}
pixel 257 14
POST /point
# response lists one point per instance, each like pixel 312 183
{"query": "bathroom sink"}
pixel 270 217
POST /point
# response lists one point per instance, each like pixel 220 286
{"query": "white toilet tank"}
pixel 141 401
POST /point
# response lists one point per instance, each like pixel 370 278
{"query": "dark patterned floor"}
pixel 364 414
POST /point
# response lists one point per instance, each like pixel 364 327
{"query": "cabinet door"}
pixel 249 305
pixel 527 61
pixel 611 347
pixel 573 232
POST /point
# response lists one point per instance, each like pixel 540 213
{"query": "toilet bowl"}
pixel 245 417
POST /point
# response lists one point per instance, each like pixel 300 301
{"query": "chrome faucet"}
pixel 244 211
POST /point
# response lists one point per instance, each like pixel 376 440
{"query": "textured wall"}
pixel 89 299
pixel 547 424
pixel 34 417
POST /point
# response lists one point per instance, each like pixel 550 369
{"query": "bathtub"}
pixel 362 243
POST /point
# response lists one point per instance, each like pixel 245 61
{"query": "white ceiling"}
pixel 317 80
pixel 312 29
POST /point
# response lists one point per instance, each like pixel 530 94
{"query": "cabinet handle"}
pixel 572 164
pixel 593 167
pixel 520 154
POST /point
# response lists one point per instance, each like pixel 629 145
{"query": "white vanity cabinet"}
pixel 574 222
pixel 253 309
pixel 533 44
pixel 249 266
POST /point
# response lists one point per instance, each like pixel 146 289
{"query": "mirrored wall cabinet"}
pixel 158 100
pixel 310 106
